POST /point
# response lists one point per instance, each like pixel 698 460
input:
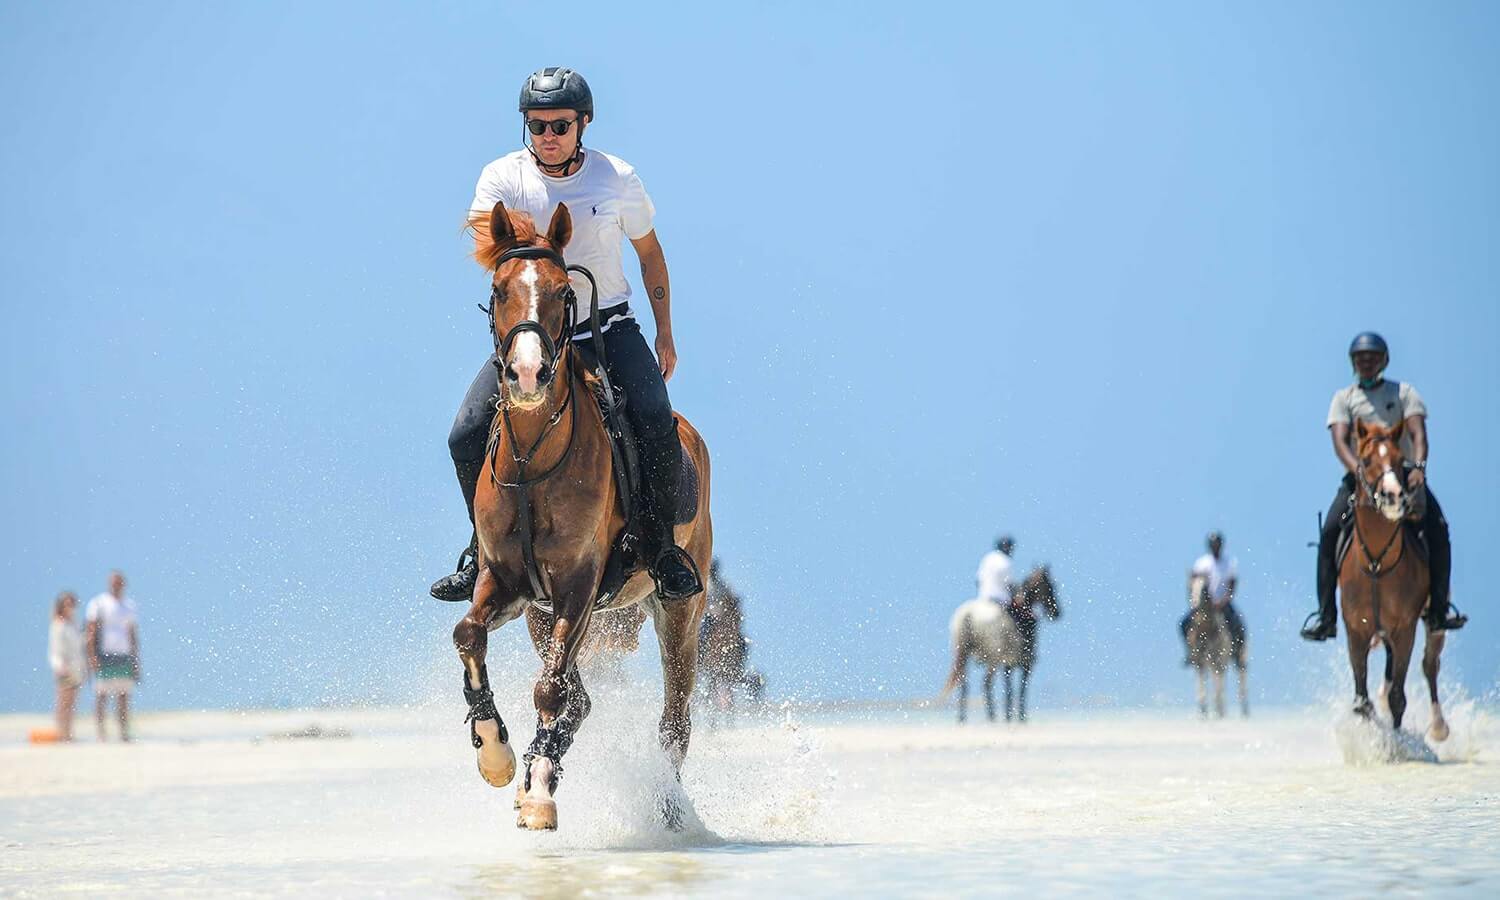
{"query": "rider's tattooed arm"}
pixel 1341 447
pixel 1416 426
pixel 659 290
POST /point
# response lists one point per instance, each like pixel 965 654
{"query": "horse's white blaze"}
pixel 1381 448
pixel 526 352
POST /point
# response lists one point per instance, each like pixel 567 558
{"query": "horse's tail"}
pixel 961 645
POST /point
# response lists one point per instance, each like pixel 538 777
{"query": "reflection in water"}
pixel 552 876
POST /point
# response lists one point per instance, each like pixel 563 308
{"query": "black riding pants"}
pixel 633 367
pixel 1434 528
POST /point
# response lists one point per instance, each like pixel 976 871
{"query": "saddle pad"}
pixel 687 489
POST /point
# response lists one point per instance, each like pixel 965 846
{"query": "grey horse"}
pixel 1000 638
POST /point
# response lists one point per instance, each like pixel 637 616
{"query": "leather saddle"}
pixel 625 556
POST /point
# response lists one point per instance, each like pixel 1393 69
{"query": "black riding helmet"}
pixel 1006 544
pixel 1215 537
pixel 557 88
pixel 1369 341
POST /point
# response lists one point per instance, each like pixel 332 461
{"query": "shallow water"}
pixel 810 804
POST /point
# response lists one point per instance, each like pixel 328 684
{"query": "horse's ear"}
pixel 560 231
pixel 1400 427
pixel 501 231
pixel 1360 429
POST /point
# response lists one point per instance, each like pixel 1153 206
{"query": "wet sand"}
pixel 800 803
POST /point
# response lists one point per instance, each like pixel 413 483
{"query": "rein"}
pixel 1375 567
pixel 557 360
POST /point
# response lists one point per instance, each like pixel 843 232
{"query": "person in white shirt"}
pixel 114 650
pixel 609 205
pixel 1222 577
pixel 994 575
pixel 65 656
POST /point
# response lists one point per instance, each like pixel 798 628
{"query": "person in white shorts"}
pixel 114 649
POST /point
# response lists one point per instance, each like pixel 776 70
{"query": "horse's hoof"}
pixel 538 815
pixel 496 761
pixel 1439 731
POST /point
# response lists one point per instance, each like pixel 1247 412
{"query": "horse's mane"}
pixel 486 252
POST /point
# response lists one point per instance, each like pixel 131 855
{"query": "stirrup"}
pixel 1452 622
pixel 459 587
pixel 1318 631
pixel 673 551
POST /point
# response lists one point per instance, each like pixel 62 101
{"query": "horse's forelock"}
pixel 486 252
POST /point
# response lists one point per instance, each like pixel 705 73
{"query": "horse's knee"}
pixel 469 637
pixel 549 695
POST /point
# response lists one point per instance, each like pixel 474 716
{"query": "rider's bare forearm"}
pixel 658 283
pixel 1341 448
pixel 1416 426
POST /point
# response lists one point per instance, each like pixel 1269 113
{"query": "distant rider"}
pixel 1221 576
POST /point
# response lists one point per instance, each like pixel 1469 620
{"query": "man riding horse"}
pixel 607 201
pixel 995 583
pixel 1388 403
pixel 1221 576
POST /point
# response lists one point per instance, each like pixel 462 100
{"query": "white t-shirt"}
pixel 65 651
pixel 116 617
pixel 1219 573
pixel 994 576
pixel 606 201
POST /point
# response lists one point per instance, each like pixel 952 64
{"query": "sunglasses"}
pixel 559 126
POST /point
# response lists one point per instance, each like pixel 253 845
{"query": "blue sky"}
pixel 1080 272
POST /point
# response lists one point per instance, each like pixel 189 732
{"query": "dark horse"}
pixel 1383 581
pixel 1000 638
pixel 547 514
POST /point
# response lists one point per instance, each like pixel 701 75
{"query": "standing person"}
pixel 65 655
pixel 114 651
pixel 609 204
pixel 1222 576
pixel 1389 403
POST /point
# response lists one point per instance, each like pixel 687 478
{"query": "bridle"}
pixel 1376 566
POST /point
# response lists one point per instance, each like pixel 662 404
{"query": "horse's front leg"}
pixel 1202 693
pixel 1431 657
pixel 487 732
pixel 561 703
pixel 989 694
pixel 1021 694
pixel 1359 664
pixel 1009 693
pixel 1219 693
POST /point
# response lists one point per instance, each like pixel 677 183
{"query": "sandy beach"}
pixel 809 803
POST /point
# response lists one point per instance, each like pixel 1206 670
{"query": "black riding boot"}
pixel 1328 582
pixel 1440 568
pixel 1328 568
pixel 460 585
pixel 675 573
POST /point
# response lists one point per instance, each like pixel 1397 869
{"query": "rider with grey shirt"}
pixel 1388 403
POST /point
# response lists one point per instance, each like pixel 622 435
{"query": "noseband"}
pixel 549 344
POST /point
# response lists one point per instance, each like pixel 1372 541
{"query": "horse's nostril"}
pixel 544 375
pixel 510 372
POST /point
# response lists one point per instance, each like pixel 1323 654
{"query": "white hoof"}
pixel 1438 730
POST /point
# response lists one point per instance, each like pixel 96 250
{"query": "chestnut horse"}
pixel 1383 582
pixel 547 513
